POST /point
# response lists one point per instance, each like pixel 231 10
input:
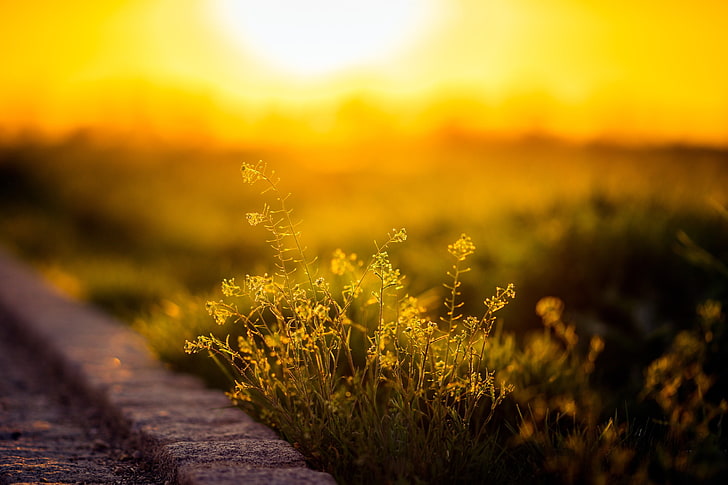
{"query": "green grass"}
pixel 625 248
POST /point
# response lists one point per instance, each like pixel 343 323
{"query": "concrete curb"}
pixel 191 433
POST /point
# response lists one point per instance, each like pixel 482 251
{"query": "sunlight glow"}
pixel 329 70
pixel 320 36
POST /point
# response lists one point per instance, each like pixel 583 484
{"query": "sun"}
pixel 318 37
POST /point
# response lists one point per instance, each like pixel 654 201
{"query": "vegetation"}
pixel 413 407
pixel 606 368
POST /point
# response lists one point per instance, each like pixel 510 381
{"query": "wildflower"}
pixel 251 173
pixel 441 367
pixel 341 263
pixel 240 394
pixel 384 270
pixel 388 360
pixel 399 236
pixel 229 288
pixel 596 345
pixel 550 309
pixel 296 344
pixel 321 311
pixel 258 286
pixel 219 311
pixel 500 299
pixel 410 311
pixel 303 310
pixel 352 291
pixel 254 218
pixel 509 291
pixel 244 345
pixel 462 248
pixel 471 324
pixel 193 347
pixel 276 340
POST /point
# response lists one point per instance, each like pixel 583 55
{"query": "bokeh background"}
pixel 583 146
pixel 243 72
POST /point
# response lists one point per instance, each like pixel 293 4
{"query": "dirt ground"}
pixel 48 436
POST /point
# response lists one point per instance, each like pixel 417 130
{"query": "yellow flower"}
pixel 462 248
pixel 388 360
pixel 399 236
pixel 254 218
pixel 550 309
pixel 252 173
pixel 229 288
pixel 341 263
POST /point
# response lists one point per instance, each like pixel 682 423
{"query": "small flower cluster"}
pixel 335 372
pixel 462 248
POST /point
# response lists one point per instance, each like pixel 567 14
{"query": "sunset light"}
pixel 393 225
pixel 650 73
pixel 322 36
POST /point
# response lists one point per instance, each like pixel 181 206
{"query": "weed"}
pixel 679 434
pixel 353 370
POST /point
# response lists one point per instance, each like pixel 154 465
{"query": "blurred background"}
pixel 583 146
pixel 216 72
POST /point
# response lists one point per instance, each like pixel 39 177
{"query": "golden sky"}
pixel 635 71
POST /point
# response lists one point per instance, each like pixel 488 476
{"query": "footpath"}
pixel 82 400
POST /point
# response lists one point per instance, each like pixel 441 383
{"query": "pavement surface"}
pixel 82 400
pixel 48 436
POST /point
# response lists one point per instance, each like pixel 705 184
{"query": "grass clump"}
pixel 363 379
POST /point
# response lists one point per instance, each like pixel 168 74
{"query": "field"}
pixel 618 376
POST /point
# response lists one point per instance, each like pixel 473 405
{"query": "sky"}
pixel 641 71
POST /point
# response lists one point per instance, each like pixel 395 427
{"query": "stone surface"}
pixel 48 436
pixel 228 474
pixel 170 422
